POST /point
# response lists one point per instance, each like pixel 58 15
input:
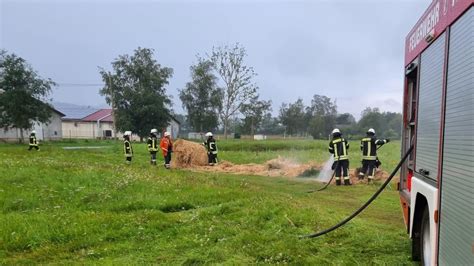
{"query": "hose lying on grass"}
pixel 366 204
pixel 327 184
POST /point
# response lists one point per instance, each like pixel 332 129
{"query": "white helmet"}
pixel 33 132
pixel 371 130
pixel 166 134
pixel 209 134
pixel 336 130
pixel 127 133
pixel 154 130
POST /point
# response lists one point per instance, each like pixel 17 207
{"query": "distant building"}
pixel 81 122
pixel 173 127
pixel 44 131
pixel 99 124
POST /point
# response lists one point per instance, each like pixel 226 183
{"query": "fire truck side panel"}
pixel 429 108
pixel 456 224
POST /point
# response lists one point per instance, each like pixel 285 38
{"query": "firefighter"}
pixel 339 146
pixel 153 145
pixel 368 146
pixel 211 147
pixel 33 141
pixel 166 146
pixel 127 147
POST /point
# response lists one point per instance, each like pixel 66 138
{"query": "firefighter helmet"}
pixel 336 130
pixel 127 133
pixel 154 131
pixel 209 134
pixel 371 130
pixel 33 132
pixel 166 134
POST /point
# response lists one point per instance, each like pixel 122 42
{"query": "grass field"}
pixel 85 206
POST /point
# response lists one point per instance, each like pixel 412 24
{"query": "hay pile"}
pixel 188 154
pixel 274 167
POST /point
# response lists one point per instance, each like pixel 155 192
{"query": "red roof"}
pixel 104 115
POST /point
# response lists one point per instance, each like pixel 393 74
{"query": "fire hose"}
pixel 332 177
pixel 358 211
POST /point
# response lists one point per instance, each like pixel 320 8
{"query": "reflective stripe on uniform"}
pixel 346 178
pixel 369 157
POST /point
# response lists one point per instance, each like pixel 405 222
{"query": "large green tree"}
pixel 135 89
pixel 321 115
pixel 292 116
pixel 254 112
pixel 238 79
pixel 201 97
pixel 22 94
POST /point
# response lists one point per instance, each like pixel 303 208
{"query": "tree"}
pixel 202 98
pixel 292 116
pixel 22 94
pixel 136 91
pixel 254 111
pixel 239 87
pixel 321 115
pixel 271 125
pixel 345 119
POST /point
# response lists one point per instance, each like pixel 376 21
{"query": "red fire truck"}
pixel 437 181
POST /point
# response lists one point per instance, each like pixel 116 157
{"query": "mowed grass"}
pixel 86 206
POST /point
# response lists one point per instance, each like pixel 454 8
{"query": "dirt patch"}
pixel 275 167
pixel 188 154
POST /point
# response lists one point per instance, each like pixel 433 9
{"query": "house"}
pixel 173 127
pixel 98 124
pixel 85 122
pixel 51 130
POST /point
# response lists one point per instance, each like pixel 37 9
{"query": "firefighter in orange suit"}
pixel 339 146
pixel 166 146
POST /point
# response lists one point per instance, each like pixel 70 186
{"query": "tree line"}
pixel 221 96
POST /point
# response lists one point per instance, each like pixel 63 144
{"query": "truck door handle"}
pixel 424 172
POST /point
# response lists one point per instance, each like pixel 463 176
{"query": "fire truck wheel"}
pixel 425 243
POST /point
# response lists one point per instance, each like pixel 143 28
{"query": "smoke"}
pixel 326 171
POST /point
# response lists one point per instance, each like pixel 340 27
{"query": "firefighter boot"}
pixel 338 181
pixel 370 179
pixel 347 181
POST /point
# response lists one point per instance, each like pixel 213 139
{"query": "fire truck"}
pixel 437 181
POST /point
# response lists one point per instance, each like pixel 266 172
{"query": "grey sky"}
pixel 351 51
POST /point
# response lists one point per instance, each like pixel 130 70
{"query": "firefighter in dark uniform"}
pixel 211 147
pixel 339 146
pixel 368 146
pixel 153 145
pixel 166 146
pixel 33 141
pixel 127 147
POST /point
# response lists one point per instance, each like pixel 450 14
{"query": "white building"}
pixel 44 131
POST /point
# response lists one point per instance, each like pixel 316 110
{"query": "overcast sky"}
pixel 348 50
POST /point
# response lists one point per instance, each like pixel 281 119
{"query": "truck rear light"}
pixel 409 177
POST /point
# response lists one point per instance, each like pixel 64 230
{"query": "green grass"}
pixel 86 206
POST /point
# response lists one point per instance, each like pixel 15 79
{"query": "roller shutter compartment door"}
pixel 429 107
pixel 456 231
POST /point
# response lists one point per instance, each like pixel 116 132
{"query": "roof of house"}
pixel 74 112
pixel 104 115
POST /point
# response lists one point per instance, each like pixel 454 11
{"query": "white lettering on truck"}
pixel 426 26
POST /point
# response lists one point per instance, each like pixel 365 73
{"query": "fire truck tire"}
pixel 425 239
